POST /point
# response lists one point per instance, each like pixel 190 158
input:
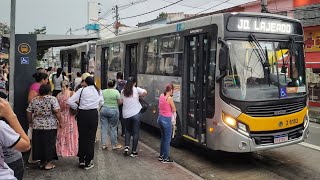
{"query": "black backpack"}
pixel 120 85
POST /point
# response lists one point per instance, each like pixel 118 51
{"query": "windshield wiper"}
pixel 264 61
pixel 291 51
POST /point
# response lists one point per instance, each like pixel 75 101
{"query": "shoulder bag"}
pixel 144 105
pixel 76 111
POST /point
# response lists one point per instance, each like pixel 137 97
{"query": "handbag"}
pixel 144 105
pixel 76 111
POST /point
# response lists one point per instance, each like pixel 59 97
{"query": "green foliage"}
pixel 163 15
pixel 42 30
pixel 4 28
pixel 40 52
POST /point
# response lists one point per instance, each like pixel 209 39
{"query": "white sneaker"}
pixel 89 166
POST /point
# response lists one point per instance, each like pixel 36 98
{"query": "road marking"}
pixel 311 146
pixel 176 164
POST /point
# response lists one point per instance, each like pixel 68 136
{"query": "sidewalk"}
pixel 112 164
pixel 314 114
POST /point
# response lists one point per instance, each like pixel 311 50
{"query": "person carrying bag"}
pixel 166 121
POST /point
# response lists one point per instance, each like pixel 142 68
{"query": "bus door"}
pixel 131 60
pixel 104 67
pixel 69 63
pixel 197 58
pixel 83 62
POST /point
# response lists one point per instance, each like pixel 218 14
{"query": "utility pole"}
pixel 264 4
pixel 117 20
pixel 12 51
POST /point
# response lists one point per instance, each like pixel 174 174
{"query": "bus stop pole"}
pixel 12 52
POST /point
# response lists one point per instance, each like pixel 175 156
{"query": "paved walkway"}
pixel 111 164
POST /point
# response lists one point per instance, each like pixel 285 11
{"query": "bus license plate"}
pixel 280 139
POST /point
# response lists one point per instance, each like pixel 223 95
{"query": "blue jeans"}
pixel 166 132
pixel 132 129
pixel 109 116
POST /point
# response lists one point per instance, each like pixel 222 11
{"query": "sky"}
pixel 60 15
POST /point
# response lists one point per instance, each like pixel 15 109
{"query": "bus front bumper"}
pixel 233 141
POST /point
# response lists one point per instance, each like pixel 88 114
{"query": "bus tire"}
pixel 177 141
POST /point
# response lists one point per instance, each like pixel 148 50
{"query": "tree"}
pixel 40 51
pixel 4 28
pixel 163 15
pixel 42 30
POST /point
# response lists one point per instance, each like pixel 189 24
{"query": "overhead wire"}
pixel 194 7
pixel 213 7
pixel 129 17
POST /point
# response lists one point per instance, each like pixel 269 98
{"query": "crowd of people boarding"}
pixel 64 116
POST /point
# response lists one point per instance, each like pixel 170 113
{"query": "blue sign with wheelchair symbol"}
pixel 24 60
pixel 283 92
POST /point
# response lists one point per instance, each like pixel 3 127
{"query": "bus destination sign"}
pixel 261 25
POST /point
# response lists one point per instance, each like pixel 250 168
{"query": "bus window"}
pixel 150 56
pixel 115 59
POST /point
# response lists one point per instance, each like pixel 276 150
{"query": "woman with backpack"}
pixel 120 85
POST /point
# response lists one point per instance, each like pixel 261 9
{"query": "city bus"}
pixel 239 78
pixel 78 58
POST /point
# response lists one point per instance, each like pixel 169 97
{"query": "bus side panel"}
pixel 155 85
pixel 146 82
pixel 160 83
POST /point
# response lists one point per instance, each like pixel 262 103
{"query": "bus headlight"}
pixel 305 120
pixel 233 123
pixel 230 121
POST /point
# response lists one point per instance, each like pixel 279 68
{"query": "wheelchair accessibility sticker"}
pixel 24 60
pixel 283 92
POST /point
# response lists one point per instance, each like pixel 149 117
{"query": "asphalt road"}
pixel 291 162
pixel 314 135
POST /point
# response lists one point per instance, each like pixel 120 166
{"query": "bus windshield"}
pixel 265 70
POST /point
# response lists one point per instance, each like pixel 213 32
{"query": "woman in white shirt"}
pixel 131 114
pixel 56 80
pixel 90 100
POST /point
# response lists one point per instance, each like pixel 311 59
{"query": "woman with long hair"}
pixel 90 100
pixel 44 114
pixel 166 110
pixel 67 138
pixel 131 114
pixel 56 80
pixel 109 115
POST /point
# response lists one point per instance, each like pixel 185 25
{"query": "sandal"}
pixel 49 166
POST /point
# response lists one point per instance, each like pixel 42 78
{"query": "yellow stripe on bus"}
pixel 190 138
pixel 273 123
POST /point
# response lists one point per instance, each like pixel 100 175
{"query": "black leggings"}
pixel 87 127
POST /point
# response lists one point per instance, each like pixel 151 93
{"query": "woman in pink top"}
pixel 41 78
pixel 166 110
